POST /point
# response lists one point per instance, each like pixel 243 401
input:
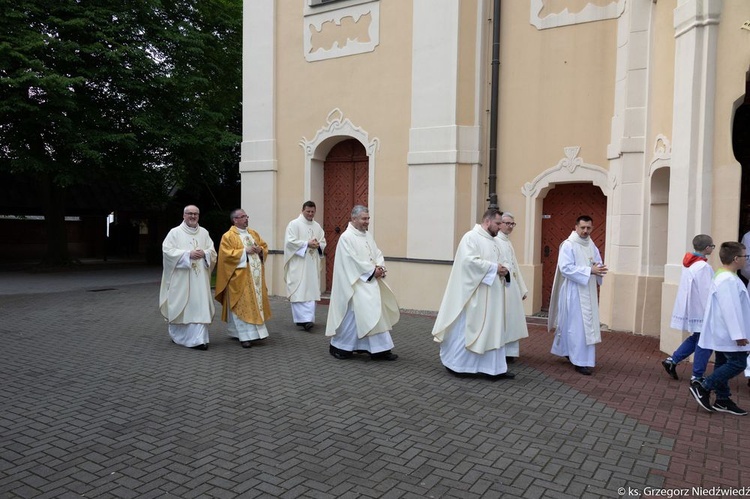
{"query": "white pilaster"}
pixel 258 156
pixel 628 138
pixel 437 144
pixel 690 200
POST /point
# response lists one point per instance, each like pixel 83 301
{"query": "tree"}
pixel 145 93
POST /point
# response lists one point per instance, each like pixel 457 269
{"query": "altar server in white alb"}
pixel 574 305
pixel 304 244
pixel 470 325
pixel 690 305
pixel 363 308
pixel 515 291
pixel 185 297
pixel 726 331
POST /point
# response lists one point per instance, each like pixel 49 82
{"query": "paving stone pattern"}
pixel 95 401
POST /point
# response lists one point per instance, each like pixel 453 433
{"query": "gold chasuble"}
pixel 243 289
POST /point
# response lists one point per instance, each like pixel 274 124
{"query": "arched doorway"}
pixel 345 178
pixel 658 221
pixel 562 206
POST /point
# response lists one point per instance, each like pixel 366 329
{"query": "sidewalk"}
pixel 96 402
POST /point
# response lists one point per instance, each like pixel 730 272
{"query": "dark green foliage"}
pixel 143 93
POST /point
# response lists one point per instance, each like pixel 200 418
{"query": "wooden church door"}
pixel 345 179
pixel 562 206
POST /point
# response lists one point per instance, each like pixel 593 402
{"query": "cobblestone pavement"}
pixel 95 401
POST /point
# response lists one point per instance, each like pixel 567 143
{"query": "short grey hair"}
pixel 359 209
pixel 234 214
pixel 509 215
pixel 185 209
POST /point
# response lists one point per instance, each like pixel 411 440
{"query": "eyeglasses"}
pixel 509 224
pixel 243 216
pixel 742 256
pixel 711 246
pixel 192 214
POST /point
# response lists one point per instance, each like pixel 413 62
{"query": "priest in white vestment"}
pixel 241 281
pixel 304 244
pixel 515 291
pixel 574 304
pixel 470 325
pixel 185 298
pixel 363 309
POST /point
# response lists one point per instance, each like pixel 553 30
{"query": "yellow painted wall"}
pixel 556 90
pixel 371 89
pixel 661 73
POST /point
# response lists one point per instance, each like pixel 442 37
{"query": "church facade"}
pixel 631 111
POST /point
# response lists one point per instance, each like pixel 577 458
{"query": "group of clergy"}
pixel 478 326
pixel 185 298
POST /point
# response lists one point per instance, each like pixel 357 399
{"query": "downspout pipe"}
pixel 495 85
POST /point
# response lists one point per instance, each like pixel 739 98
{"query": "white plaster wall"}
pixel 258 154
pixel 690 199
pixel 435 139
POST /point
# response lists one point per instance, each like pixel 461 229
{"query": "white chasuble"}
pixel 185 293
pixel 476 295
pixel 515 290
pixel 372 301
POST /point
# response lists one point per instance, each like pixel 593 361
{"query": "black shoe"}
pixel 729 407
pixel 308 326
pixel 671 367
pixel 339 354
pixel 460 375
pixel 701 395
pixel 586 371
pixel 387 355
pixel 510 360
pixel 200 347
pixel 496 377
pixel 246 344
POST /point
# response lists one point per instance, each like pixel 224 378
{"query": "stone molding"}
pixel 571 168
pixel 589 13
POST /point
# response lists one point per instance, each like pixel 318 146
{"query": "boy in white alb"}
pixel 726 331
pixel 690 306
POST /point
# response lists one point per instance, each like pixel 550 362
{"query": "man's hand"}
pixel 253 250
pixel 599 269
pixel 197 254
pixel 313 243
pixel 379 272
pixel 741 343
pixel 502 271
